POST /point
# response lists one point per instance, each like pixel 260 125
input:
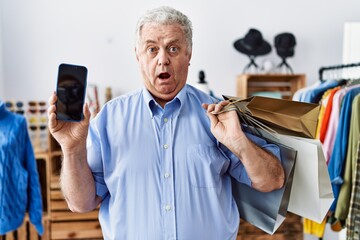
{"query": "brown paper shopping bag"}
pixel 284 116
pixel 266 210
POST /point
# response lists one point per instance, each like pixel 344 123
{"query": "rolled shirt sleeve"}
pixel 94 158
pixel 237 169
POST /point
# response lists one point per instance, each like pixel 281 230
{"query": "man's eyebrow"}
pixel 173 41
pixel 169 43
pixel 149 41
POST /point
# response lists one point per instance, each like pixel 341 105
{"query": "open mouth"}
pixel 164 75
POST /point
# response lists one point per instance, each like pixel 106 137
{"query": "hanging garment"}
pixel 314 95
pixel 342 207
pixel 338 156
pixel 19 181
pixel 353 220
pixel 323 103
pixel 327 112
pixel 299 93
pixel 328 144
pixel 314 228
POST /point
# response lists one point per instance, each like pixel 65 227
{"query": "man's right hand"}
pixel 68 134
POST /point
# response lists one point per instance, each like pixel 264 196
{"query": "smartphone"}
pixel 70 91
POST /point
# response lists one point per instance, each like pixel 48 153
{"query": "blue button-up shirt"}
pixel 160 171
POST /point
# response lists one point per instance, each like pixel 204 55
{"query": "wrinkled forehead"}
pixel 161 28
pixel 162 32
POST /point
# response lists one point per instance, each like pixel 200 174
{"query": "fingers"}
pixel 215 108
pixel 220 105
pixel 209 109
pixel 52 121
pixel 52 107
pixel 52 112
pixel 87 113
pixel 205 106
pixel 52 99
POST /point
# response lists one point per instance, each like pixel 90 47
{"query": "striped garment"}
pixel 353 219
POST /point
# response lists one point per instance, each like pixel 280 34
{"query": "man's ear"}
pixel 190 54
pixel 136 53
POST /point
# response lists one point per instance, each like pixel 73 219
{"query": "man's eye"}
pixel 151 50
pixel 173 49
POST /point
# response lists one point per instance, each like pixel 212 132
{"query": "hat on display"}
pixel 285 44
pixel 253 44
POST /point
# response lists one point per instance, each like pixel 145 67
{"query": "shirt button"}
pixel 166 146
pixel 167 175
pixel 167 207
pixel 165 120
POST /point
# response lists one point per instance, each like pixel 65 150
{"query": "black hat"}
pixel 285 44
pixel 252 44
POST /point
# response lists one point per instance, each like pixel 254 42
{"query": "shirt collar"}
pixel 154 107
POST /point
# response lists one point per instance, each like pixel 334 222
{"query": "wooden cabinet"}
pixel 284 84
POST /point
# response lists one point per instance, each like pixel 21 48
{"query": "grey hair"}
pixel 166 15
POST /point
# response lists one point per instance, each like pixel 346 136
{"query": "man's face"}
pixel 164 59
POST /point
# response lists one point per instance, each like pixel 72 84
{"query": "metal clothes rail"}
pixel 338 69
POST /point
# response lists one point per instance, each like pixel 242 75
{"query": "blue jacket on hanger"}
pixel 20 190
pixel 314 95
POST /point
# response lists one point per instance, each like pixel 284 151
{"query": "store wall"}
pixel 38 35
pixel 351 46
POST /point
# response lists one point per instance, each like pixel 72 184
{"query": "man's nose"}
pixel 163 58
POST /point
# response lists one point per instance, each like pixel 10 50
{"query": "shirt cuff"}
pixel 101 190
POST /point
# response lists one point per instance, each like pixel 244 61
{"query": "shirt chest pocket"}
pixel 205 165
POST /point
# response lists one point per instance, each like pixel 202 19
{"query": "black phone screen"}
pixel 70 91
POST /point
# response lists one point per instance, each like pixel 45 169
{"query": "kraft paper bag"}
pixel 266 210
pixel 311 193
pixel 284 116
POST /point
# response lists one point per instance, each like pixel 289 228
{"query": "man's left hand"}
pixel 225 125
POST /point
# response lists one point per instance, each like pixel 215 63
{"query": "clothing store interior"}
pixel 298 62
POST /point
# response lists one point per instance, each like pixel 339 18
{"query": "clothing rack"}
pixel 349 72
pixel 337 68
